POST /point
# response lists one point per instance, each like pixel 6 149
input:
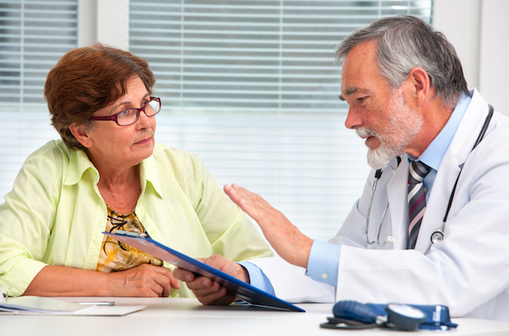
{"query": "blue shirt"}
pixel 435 152
pixel 324 257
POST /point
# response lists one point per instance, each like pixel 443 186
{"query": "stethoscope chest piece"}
pixel 437 236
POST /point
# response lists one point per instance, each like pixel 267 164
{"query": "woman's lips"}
pixel 144 141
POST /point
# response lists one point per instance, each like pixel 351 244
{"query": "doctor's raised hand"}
pixel 291 244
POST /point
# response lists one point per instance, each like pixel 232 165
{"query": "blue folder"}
pixel 242 290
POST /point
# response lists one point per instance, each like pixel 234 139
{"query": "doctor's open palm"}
pixel 291 244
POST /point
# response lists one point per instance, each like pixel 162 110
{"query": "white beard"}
pixel 403 125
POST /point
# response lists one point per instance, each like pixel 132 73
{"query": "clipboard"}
pixel 242 290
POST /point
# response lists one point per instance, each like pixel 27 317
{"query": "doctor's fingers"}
pixel 235 196
pixel 253 204
pixel 213 298
pixel 227 266
pixel 283 236
pixel 214 295
pixel 203 285
pixel 183 275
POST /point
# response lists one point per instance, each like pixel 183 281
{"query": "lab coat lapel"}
pixel 397 194
pixel 438 200
pixel 454 158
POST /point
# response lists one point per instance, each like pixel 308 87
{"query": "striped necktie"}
pixel 416 200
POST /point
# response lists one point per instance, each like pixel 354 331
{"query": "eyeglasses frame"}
pixel 114 117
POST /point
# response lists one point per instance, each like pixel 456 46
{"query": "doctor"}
pixel 409 100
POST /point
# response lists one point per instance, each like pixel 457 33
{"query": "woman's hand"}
pixel 144 280
pixel 209 292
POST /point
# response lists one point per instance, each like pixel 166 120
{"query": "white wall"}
pixel 479 30
pixel 494 66
pixel 103 21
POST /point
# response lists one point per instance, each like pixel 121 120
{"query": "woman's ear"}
pixel 81 134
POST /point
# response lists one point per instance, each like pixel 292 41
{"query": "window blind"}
pixel 33 36
pixel 248 85
pixel 251 87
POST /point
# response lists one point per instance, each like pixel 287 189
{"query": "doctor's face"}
pixel 377 113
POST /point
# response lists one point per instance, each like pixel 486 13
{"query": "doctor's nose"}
pixel 353 119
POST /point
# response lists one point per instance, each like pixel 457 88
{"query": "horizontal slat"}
pixel 264 5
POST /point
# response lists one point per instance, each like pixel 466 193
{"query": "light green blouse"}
pixel 55 214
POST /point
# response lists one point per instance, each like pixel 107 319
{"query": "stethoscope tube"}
pixel 438 235
pixel 389 239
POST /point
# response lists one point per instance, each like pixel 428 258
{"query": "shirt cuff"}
pixel 323 262
pixel 257 278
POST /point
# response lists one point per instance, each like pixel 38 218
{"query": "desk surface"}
pixel 165 316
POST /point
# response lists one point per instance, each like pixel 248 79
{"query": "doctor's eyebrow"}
pixel 348 91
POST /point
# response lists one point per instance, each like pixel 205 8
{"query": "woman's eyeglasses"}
pixel 130 116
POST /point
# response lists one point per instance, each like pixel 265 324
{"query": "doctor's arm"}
pixel 320 258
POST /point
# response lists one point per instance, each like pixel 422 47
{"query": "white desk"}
pixel 184 317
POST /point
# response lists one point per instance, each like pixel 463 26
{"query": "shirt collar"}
pixel 434 154
pixel 79 163
pixel 148 174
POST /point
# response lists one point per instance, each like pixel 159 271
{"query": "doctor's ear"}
pixel 81 133
pixel 419 83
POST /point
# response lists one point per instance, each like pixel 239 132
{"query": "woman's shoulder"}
pixel 53 151
pixel 47 164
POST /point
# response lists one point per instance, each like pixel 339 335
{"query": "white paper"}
pixel 41 305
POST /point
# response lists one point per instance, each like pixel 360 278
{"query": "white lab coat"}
pixel 468 271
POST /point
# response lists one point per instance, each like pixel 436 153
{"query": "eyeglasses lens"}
pixel 152 108
pixel 127 117
pixel 130 116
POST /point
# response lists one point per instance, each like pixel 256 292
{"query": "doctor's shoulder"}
pixel 496 139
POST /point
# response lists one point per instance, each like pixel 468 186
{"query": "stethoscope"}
pixel 437 235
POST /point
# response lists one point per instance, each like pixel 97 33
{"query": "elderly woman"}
pixel 107 173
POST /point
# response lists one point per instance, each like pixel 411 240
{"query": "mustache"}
pixel 364 132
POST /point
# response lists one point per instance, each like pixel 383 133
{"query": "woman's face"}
pixel 120 147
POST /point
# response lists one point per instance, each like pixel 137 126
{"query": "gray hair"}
pixel 405 42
